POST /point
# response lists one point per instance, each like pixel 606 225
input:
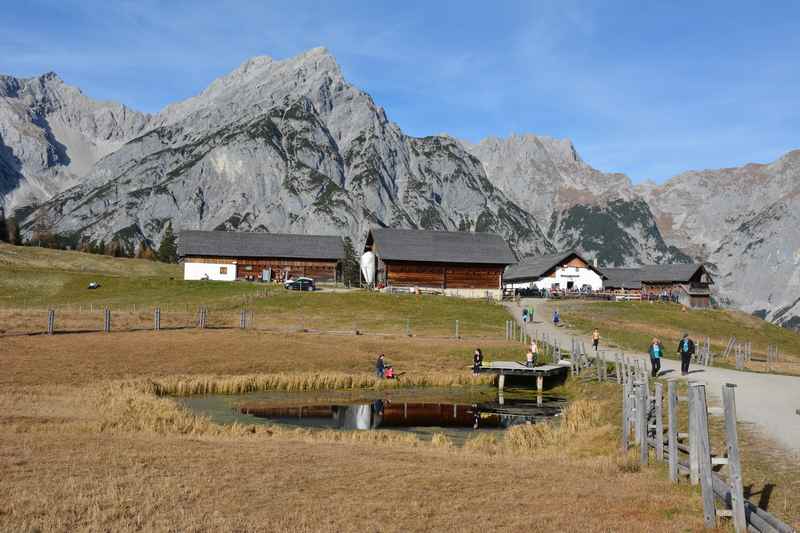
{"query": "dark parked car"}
pixel 300 284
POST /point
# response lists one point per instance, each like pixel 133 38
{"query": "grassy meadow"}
pixel 90 439
pixel 632 325
pixel 34 279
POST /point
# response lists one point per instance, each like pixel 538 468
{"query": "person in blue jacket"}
pixel 556 318
pixel 656 351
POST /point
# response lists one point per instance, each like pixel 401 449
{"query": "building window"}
pixel 248 267
pixel 223 271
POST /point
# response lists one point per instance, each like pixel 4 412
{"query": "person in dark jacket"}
pixel 477 361
pixel 686 350
pixel 656 351
pixel 380 366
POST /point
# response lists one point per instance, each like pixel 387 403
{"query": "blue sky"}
pixel 648 88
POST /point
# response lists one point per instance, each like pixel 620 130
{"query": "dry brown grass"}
pixel 87 444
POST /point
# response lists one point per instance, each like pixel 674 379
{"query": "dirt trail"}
pixel 768 401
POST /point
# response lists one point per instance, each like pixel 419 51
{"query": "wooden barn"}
pixel 687 284
pixel 457 263
pixel 230 256
pixel 565 271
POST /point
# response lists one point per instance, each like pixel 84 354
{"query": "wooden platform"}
pixel 513 368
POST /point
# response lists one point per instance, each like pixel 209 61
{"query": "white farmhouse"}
pixel 566 271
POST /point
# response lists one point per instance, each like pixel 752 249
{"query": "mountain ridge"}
pixel 290 146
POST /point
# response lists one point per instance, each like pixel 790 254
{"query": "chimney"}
pixel 594 261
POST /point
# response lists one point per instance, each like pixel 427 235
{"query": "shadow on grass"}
pixel 764 495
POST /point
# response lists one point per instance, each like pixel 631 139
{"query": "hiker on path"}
pixel 556 318
pixel 656 351
pixel 595 339
pixel 686 351
pixel 525 317
pixel 477 361
pixel 380 366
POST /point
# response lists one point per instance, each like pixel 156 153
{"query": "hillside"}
pixel 632 325
pixel 291 146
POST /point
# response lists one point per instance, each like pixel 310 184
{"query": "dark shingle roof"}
pixel 535 267
pixel 441 246
pixel 667 273
pixel 240 244
pixel 632 278
pixel 623 278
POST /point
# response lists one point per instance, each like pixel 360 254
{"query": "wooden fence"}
pixel 687 453
pixel 643 416
pixel 93 319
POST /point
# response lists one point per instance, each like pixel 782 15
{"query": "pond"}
pixel 457 412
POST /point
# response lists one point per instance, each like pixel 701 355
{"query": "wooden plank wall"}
pixel 320 270
pixel 443 275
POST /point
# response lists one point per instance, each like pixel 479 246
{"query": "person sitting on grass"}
pixel 380 366
pixel 656 351
pixel 477 361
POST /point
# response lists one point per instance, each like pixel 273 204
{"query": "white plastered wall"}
pixel 579 276
pixel 198 271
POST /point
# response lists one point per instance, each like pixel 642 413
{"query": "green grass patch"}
pixel 632 325
pixel 38 278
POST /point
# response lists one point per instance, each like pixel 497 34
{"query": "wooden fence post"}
pixel 625 417
pixel 107 320
pixel 694 434
pixel 659 421
pixel 243 319
pixel 703 449
pixel 51 321
pixel 734 465
pixel 672 422
pixel 641 413
pixel 157 319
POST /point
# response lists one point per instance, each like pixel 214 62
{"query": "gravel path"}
pixel 768 401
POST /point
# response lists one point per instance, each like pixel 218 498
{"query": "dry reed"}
pixel 300 382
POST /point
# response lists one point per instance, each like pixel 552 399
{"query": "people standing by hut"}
pixel 596 339
pixel 686 351
pixel 477 361
pixel 656 351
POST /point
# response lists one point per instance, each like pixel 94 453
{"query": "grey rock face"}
pixel 284 146
pixel 746 223
pixel 51 135
pixel 595 212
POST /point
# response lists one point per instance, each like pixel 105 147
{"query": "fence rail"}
pixel 108 319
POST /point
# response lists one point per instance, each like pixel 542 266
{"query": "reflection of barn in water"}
pixel 385 414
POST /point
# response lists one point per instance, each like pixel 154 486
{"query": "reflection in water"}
pixel 389 414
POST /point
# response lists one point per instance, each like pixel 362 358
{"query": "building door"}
pixel 570 285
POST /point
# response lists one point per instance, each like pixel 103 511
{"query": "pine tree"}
pixel 350 264
pixel 3 227
pixel 168 251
